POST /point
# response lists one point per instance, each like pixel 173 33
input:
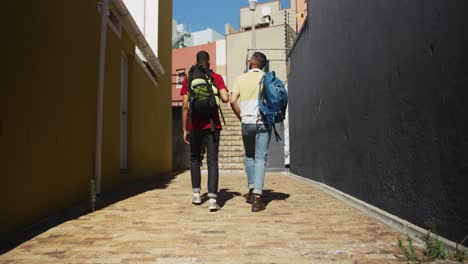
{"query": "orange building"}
pixel 184 58
pixel 301 13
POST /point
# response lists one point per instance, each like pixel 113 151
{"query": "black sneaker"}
pixel 257 203
pixel 249 196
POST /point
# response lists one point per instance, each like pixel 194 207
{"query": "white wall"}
pixel 221 59
pixel 275 12
pixel 267 39
pixel 203 37
pixel 145 14
pixel 221 52
pixel 174 29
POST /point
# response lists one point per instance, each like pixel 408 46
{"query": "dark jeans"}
pixel 210 139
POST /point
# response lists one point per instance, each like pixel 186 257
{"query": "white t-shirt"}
pixel 247 87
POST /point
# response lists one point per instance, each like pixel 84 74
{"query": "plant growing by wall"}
pixel 435 249
pixel 409 252
pixel 459 254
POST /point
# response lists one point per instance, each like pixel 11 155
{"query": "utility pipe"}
pixel 253 7
pixel 253 31
pixel 100 97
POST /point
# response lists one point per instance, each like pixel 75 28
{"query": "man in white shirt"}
pixel 256 133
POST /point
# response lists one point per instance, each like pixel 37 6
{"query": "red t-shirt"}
pixel 204 123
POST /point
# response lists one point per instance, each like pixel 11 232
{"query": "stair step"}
pixel 232 128
pixel 231 148
pixel 229 166
pixel 231 138
pixel 231 143
pixel 228 113
pixel 231 124
pixel 230 154
pixel 231 119
pixel 223 160
pixel 225 132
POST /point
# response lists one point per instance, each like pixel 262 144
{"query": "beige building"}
pixel 274 33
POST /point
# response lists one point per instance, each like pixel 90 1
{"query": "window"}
pixel 180 78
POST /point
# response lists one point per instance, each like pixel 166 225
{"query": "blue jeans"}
pixel 256 139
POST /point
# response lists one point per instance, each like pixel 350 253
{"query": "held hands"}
pixel 186 137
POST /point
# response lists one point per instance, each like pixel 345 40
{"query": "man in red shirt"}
pixel 200 133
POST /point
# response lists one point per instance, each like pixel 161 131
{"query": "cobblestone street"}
pixel 300 225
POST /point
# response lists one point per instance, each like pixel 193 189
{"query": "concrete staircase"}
pixel 231 148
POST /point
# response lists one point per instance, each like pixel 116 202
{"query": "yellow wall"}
pixel 48 110
pixel 111 119
pixel 49 115
pixel 165 83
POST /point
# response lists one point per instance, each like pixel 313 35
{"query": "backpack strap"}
pixel 222 115
pixel 209 73
pixel 277 136
pixel 260 91
pixel 210 81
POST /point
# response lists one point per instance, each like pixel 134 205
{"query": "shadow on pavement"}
pixel 10 241
pixel 271 195
pixel 225 195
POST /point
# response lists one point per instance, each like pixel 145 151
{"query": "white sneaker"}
pixel 196 199
pixel 213 205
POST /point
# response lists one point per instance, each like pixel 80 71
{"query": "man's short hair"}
pixel 260 59
pixel 203 56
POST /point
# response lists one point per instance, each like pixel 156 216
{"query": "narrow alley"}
pixel 351 118
pixel 300 225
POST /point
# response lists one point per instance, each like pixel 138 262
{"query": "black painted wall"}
pixel 379 106
pixel 180 150
pixel 275 159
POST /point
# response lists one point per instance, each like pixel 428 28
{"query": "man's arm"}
pixel 222 90
pixel 223 94
pixel 184 118
pixel 235 106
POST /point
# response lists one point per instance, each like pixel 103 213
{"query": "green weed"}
pixel 435 249
pixel 409 253
pixel 459 254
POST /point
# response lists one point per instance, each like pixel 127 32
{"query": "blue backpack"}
pixel 272 100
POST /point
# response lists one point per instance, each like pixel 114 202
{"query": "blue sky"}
pixel 201 14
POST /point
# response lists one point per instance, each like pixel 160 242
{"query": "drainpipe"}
pixel 100 98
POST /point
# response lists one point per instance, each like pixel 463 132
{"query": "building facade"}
pixel 184 58
pixel 203 37
pixel 274 35
pixel 301 13
pixel 49 112
pixel 181 37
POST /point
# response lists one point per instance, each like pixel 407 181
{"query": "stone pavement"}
pixel 300 225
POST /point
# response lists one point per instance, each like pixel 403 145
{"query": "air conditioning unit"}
pixel 265 20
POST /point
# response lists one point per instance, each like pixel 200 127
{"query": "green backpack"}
pixel 203 94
